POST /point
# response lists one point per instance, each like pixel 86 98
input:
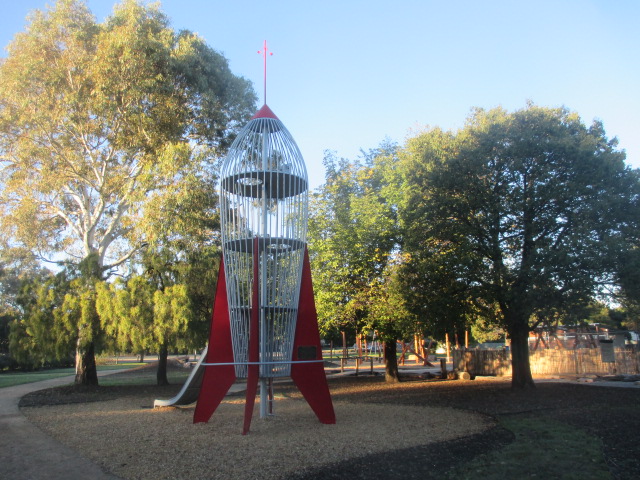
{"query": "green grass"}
pixel 117 380
pixel 543 448
pixel 19 378
pixel 11 379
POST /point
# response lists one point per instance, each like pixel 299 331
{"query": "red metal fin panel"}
pixel 217 379
pixel 310 377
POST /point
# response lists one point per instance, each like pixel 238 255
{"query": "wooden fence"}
pixel 580 361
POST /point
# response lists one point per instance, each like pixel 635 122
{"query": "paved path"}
pixel 27 453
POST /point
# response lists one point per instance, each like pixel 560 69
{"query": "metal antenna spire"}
pixel 264 52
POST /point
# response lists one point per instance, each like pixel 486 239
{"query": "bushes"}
pixel 7 363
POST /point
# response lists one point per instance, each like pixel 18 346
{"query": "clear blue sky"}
pixel 346 74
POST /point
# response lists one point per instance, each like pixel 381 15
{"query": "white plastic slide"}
pixel 191 388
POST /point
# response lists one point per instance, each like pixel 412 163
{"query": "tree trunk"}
pixel 521 369
pixel 390 363
pixel 161 376
pixel 86 372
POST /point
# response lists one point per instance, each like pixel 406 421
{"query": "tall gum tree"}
pixel 97 120
pixel 523 211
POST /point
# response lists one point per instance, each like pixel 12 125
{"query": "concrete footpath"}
pixel 27 453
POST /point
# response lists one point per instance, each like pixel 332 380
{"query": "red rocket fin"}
pixel 217 379
pixel 310 377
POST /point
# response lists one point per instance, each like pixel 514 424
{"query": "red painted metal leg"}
pixel 217 379
pixel 310 377
pixel 254 347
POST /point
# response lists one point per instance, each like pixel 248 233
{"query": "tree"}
pixel 172 315
pixel 126 313
pixel 523 210
pixel 16 271
pixel 195 272
pixel 628 271
pixel 352 234
pixel 167 307
pixel 38 336
pixel 141 317
pixel 77 319
pixel 97 121
pixel 389 317
pixel 182 231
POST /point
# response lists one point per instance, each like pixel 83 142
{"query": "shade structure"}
pixel 264 213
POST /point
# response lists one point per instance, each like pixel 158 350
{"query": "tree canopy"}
pixel 514 213
pixel 103 124
pixel 353 238
pixel 350 238
pixel 109 134
pixel 98 120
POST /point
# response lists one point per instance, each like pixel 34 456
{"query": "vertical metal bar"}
pixel 263 272
pixel 270 396
pixel 254 369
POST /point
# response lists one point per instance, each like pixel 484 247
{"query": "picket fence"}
pixel 579 361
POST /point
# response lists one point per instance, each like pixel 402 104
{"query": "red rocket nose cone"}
pixel 265 112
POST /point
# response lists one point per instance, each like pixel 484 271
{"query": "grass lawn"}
pixel 119 380
pixel 10 379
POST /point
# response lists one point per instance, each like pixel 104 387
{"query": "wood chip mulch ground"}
pixel 433 411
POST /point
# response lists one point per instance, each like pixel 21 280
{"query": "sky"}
pixel 346 75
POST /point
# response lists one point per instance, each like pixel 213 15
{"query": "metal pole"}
pixel 446 336
pixel 264 388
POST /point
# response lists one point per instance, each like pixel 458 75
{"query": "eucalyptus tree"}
pixel 524 211
pixel 99 120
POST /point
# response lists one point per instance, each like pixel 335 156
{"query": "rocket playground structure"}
pixel 264 324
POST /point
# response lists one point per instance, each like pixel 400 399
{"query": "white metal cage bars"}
pixel 264 195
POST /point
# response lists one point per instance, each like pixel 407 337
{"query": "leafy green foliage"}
pixel 40 335
pixel 126 313
pixel 16 270
pixel 353 244
pixel 107 137
pixel 100 122
pixel 514 214
pixel 172 314
pixel 140 317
